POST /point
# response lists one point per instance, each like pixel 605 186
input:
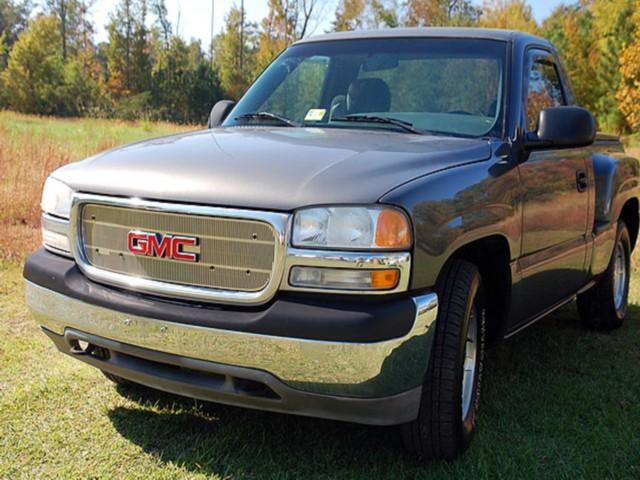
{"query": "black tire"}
pixel 440 432
pixel 116 379
pixel 597 306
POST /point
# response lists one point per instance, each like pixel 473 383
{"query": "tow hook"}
pixel 80 347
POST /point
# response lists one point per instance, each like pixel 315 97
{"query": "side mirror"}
pixel 219 112
pixel 563 127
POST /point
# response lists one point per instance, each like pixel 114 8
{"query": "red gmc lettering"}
pixel 165 246
pixel 161 249
pixel 137 242
pixel 178 243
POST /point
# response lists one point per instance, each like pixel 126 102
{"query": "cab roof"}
pixel 432 32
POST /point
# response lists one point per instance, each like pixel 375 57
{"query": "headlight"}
pixel 351 228
pixel 56 207
pixel 56 198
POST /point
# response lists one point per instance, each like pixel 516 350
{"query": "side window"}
pixel 544 90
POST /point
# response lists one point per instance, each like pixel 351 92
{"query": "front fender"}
pixel 454 207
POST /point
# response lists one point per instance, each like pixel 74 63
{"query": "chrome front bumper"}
pixel 349 369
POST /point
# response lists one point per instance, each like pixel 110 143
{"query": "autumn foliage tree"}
pixel 628 94
pixel 286 22
pixel 614 24
pixel 509 14
pixel 571 30
pixel 50 63
pixel 359 14
pixel 441 13
pixel 349 15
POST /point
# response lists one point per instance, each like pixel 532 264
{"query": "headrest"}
pixel 368 95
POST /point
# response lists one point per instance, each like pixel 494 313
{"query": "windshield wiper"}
pixel 356 117
pixel 268 115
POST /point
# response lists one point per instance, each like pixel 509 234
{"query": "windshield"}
pixel 433 85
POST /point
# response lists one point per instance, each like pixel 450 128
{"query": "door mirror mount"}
pixel 220 112
pixel 562 127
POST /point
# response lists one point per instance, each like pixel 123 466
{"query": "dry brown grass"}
pixel 24 166
pixel 635 152
pixel 31 148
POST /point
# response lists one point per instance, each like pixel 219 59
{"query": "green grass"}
pixel 558 402
pixel 81 137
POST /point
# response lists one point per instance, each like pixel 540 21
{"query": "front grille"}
pixel 233 254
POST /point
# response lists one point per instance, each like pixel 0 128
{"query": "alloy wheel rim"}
pixel 469 366
pixel 619 276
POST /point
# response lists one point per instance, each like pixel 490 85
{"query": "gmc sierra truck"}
pixel 343 241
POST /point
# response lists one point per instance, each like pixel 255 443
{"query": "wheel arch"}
pixel 630 214
pixel 492 255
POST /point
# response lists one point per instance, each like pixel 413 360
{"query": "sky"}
pixel 192 18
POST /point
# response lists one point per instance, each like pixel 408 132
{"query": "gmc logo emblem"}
pixel 158 245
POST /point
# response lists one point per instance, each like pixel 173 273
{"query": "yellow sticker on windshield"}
pixel 315 115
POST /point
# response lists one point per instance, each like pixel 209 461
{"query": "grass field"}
pixel 558 401
pixel 31 147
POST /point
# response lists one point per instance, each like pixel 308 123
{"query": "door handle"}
pixel 582 181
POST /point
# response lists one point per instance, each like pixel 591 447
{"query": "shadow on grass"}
pixel 555 398
pixel 215 439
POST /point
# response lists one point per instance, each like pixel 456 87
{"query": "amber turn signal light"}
pixel 344 278
pixel 393 229
pixel 384 279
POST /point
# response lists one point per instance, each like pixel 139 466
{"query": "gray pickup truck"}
pixel 343 241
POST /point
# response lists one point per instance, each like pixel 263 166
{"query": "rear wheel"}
pixel 451 391
pixel 604 306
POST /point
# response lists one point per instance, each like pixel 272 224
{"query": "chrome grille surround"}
pixel 168 282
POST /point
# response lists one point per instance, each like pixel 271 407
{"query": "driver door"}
pixel 555 205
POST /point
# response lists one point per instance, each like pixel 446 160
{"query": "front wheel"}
pixel 604 306
pixel 451 390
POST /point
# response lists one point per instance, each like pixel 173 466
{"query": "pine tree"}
pixel 159 9
pixel 34 77
pixel 128 50
pixel 68 13
pixel 14 16
pixel 236 53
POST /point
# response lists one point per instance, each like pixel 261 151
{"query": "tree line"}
pixel 51 64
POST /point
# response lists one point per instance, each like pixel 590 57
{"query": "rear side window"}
pixel 544 90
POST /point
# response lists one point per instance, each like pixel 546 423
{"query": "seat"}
pixel 367 95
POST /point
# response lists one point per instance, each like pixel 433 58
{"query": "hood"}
pixel 270 168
